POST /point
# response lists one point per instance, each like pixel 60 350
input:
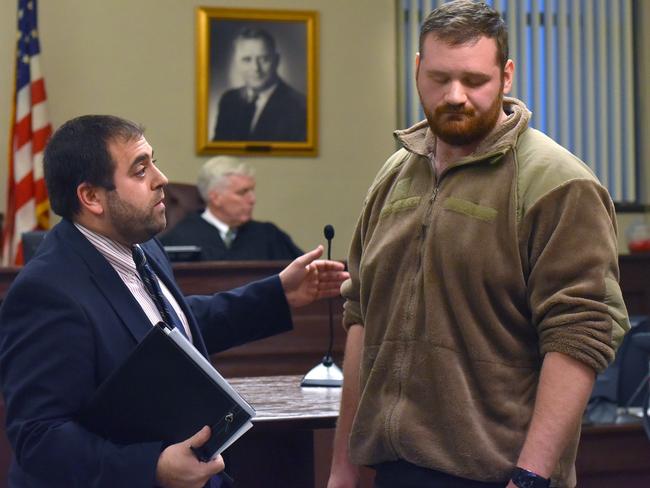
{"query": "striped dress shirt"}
pixel 120 258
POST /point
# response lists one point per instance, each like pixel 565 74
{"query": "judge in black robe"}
pixel 254 241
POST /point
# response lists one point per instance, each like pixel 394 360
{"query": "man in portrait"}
pixel 265 107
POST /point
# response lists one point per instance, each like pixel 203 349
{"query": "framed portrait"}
pixel 256 82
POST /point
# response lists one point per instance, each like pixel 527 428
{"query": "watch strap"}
pixel 522 478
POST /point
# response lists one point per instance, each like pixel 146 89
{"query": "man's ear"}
pixel 91 198
pixel 214 197
pixel 508 73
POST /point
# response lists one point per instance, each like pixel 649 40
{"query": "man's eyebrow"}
pixel 462 74
pixel 141 159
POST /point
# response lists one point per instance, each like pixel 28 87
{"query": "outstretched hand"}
pixel 307 279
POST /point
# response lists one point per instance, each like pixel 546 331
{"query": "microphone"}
pixel 328 232
pixel 326 373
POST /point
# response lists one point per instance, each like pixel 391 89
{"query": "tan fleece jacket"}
pixel 463 283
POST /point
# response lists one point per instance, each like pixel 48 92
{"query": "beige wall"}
pixel 136 59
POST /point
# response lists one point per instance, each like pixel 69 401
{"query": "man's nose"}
pixel 455 94
pixel 251 198
pixel 159 177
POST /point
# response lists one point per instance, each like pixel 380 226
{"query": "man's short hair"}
pixel 214 172
pixel 257 33
pixel 78 152
pixel 463 21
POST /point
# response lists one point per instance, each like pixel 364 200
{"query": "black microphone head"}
pixel 328 230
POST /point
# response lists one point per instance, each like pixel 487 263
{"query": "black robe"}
pixel 254 241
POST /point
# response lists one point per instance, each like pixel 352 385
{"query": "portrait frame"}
pixel 296 39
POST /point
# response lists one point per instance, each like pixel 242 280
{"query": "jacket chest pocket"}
pixel 467 235
pixel 470 209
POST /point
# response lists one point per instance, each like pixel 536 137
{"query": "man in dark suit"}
pixel 225 230
pixel 265 108
pixel 79 307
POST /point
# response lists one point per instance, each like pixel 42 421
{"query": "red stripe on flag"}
pixel 40 190
pixel 24 190
pixel 38 91
pixel 23 131
pixel 40 138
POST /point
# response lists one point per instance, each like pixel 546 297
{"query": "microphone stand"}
pixel 326 373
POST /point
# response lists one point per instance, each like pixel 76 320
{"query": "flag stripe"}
pixel 22 162
pixel 23 131
pixel 24 192
pixel 35 67
pixel 38 168
pixel 38 92
pixel 23 103
pixel 24 218
pixel 40 138
pixel 39 113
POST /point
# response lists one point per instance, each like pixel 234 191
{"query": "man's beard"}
pixel 133 224
pixel 466 127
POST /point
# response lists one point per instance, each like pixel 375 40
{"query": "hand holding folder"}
pixel 167 391
pixel 178 466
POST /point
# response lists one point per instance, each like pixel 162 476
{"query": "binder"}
pixel 167 391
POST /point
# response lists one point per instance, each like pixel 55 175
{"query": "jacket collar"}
pixel 419 139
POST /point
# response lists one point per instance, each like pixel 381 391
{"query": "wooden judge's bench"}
pixel 290 443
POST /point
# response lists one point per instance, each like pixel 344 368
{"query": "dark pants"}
pixel 401 474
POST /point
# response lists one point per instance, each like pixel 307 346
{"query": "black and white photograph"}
pixel 256 81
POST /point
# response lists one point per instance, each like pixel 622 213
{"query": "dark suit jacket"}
pixel 254 241
pixel 284 117
pixel 67 322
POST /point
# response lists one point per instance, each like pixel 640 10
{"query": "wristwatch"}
pixel 527 479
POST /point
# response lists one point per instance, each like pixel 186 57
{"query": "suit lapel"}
pixel 108 282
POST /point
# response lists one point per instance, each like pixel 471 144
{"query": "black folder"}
pixel 167 391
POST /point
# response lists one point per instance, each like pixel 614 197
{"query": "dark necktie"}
pixel 229 237
pixel 249 113
pixel 153 288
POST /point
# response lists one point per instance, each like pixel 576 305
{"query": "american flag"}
pixel 28 207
